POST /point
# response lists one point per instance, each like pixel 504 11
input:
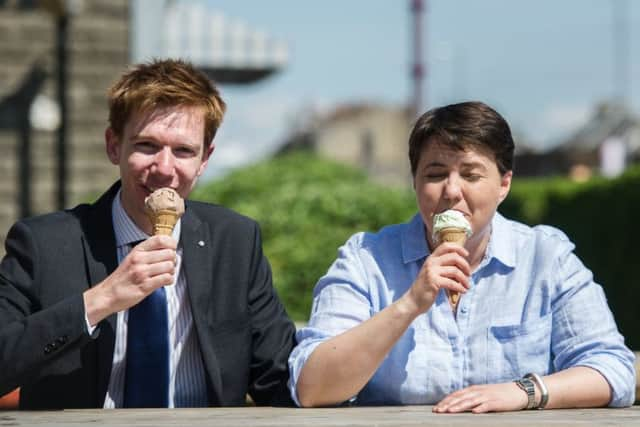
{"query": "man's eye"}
pixel 184 152
pixel 145 146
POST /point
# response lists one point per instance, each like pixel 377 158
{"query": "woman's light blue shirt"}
pixel 532 307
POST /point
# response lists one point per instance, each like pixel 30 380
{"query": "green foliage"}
pixel 599 216
pixel 307 207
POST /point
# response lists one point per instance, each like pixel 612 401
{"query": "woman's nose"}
pixel 452 189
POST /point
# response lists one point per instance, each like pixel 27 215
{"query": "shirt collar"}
pixel 414 242
pixel 126 230
pixel 501 244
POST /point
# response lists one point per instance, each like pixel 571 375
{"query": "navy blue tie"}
pixel 147 372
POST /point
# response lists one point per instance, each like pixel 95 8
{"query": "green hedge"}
pixel 308 207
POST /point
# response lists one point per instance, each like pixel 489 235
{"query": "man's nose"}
pixel 165 161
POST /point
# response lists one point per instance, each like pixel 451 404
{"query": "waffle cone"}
pixel 163 222
pixel 457 236
pixel 453 235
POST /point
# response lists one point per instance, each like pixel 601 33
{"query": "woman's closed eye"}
pixel 472 177
pixel 435 176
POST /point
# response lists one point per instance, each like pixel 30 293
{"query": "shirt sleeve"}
pixel 92 331
pixel 584 330
pixel 341 301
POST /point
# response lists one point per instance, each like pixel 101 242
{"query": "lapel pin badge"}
pixel 201 243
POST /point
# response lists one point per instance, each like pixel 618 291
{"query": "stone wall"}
pixel 98 46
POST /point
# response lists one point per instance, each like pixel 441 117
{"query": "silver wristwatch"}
pixel 528 387
pixel 544 393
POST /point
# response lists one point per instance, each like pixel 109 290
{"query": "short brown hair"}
pixel 462 126
pixel 165 83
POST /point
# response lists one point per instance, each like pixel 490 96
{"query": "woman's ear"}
pixel 505 185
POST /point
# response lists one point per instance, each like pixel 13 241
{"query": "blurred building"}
pixel 372 137
pixel 228 50
pixel 531 162
pixel 98 50
pixel 606 144
pixel 375 138
pixel 103 37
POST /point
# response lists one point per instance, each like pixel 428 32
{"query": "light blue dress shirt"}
pixel 532 307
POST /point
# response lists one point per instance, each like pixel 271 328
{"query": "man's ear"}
pixel 112 146
pixel 205 158
pixel 505 185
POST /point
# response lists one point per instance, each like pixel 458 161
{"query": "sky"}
pixel 543 64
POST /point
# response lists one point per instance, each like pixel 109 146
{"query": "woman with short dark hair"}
pixel 508 320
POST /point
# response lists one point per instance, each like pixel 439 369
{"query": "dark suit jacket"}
pixel 244 332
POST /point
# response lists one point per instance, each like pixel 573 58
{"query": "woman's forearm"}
pixel 577 387
pixel 339 367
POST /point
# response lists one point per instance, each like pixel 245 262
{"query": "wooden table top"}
pixel 392 416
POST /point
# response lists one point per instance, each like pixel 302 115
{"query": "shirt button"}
pixel 464 309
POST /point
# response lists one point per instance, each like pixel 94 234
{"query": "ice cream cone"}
pixel 163 222
pixel 451 226
pixel 164 207
pixel 453 235
pixel 459 237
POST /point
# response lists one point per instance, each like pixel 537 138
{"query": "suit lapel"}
pixel 99 246
pixel 197 258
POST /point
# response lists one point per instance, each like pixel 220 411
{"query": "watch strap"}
pixel 528 387
pixel 544 393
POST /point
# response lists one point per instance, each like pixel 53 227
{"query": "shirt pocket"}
pixel 515 350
